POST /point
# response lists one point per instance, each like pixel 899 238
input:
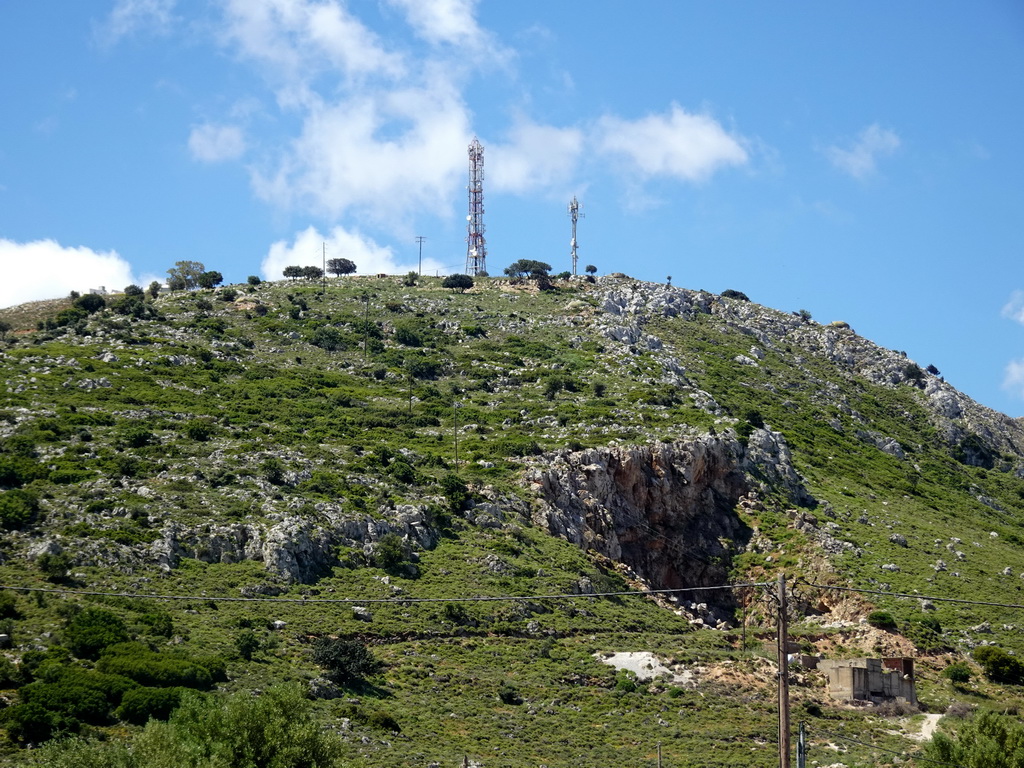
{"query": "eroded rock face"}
pixel 668 510
pixel 662 509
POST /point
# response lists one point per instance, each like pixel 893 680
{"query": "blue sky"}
pixel 861 160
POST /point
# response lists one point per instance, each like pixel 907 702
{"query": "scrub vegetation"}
pixel 145 440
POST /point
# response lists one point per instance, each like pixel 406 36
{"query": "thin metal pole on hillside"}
pixel 783 677
pixel 420 239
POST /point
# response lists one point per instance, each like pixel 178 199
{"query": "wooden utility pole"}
pixel 783 677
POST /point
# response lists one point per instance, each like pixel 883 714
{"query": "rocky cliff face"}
pixel 973 433
pixel 668 511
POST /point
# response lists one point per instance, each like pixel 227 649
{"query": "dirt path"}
pixel 931 722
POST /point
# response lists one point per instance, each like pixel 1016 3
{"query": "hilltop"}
pixel 389 441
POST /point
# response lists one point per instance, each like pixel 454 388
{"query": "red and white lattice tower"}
pixel 476 246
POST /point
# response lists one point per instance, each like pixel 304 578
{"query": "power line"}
pixel 377 600
pixel 904 594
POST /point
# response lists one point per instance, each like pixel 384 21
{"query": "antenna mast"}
pixel 574 214
pixel 476 246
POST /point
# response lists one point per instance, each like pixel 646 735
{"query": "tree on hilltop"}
pixel 294 271
pixel 312 273
pixel 338 267
pixel 210 279
pixel 184 275
pixel 528 268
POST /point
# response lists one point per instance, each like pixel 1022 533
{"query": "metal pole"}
pixel 419 269
pixel 323 277
pixel 801 748
pixel 784 742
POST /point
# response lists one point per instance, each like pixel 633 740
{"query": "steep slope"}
pixel 393 442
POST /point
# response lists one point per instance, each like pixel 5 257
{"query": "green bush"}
pixel 54 566
pixel 10 675
pixel 34 724
pixel 999 666
pixel 18 508
pixel 957 672
pixel 199 430
pixel 509 695
pixel 80 702
pixel 247 643
pixel 406 335
pixel 389 552
pixel 731 294
pixel 882 620
pixel 8 605
pixel 274 730
pixel 141 704
pixel 327 338
pixel 18 470
pixel 92 630
pixel 344 661
pixel 162 670
pixel 988 739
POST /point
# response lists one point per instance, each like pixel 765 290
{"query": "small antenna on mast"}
pixel 575 215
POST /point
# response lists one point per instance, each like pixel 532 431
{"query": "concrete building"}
pixel 875 680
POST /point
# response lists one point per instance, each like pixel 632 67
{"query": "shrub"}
pixel 344 661
pixel 912 373
pixel 142 704
pixel 54 566
pixel 253 280
pixel 882 620
pixel 17 470
pixel 90 302
pixel 509 695
pixel 327 338
pixel 199 430
pixel 988 739
pixel 69 698
pixel 32 724
pixel 407 336
pixel 8 605
pixel 247 643
pixel 163 670
pixel 18 508
pixel 10 675
pixel 731 294
pixel 459 283
pixel 999 666
pixel 92 630
pixel 957 672
pixel 389 552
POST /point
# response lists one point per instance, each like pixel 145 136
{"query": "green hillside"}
pixel 209 483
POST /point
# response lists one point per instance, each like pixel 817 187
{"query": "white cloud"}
pixel 131 16
pixel 1013 378
pixel 861 158
pixel 381 155
pixel 308 247
pixel 1014 308
pixel 444 21
pixel 679 144
pixel 44 269
pixel 536 157
pixel 216 143
pixel 299 39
